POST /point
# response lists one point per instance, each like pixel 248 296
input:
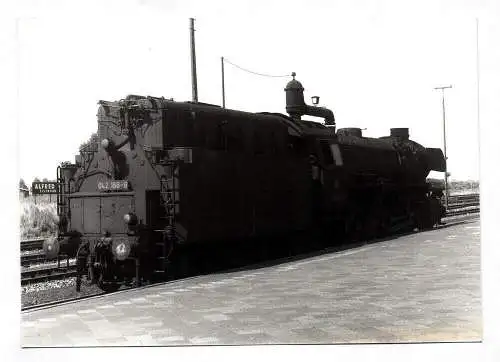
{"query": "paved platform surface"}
pixel 416 288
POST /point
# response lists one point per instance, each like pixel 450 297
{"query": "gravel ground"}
pixel 51 291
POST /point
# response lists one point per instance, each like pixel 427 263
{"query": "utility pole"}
pixel 477 78
pixel 193 62
pixel 446 195
pixel 223 85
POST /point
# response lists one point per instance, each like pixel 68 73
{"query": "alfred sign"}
pixel 44 188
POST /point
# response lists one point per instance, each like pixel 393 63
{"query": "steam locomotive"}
pixel 166 177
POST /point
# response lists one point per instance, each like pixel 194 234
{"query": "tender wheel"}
pixel 384 225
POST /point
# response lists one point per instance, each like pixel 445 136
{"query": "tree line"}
pixel 88 145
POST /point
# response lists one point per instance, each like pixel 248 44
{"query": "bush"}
pixel 38 219
pixel 468 186
pixel 91 144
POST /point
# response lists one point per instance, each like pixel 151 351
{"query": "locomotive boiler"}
pixel 167 178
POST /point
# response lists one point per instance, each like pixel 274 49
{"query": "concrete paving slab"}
pixel 421 287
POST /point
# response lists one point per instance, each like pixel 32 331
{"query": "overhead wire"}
pixel 224 59
pixel 255 73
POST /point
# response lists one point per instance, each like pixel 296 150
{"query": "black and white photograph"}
pixel 255 174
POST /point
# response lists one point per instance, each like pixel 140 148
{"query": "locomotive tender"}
pixel 167 176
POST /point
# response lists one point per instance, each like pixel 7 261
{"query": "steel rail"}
pixel 46 274
pixel 32 244
pixel 454 199
pixel 30 259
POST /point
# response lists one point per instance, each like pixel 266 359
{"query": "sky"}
pixel 375 64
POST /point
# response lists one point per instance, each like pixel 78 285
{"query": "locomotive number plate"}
pixel 113 185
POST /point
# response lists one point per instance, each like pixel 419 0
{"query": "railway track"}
pixel 32 244
pixel 36 268
pixel 464 205
pixel 462 211
pixel 45 270
pixel 30 259
pixel 466 198
pixel 46 274
pixel 32 254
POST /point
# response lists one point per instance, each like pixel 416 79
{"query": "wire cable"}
pixel 256 73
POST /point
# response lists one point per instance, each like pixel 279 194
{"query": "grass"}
pixel 38 217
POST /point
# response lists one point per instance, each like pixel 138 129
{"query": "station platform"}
pixel 423 287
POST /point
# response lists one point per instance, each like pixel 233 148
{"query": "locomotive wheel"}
pixel 108 287
pixel 424 219
pixel 384 224
pixel 371 227
pixel 181 265
pixel 358 230
pixel 436 211
pixel 352 224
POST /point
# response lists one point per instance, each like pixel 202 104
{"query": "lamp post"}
pixel 444 143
